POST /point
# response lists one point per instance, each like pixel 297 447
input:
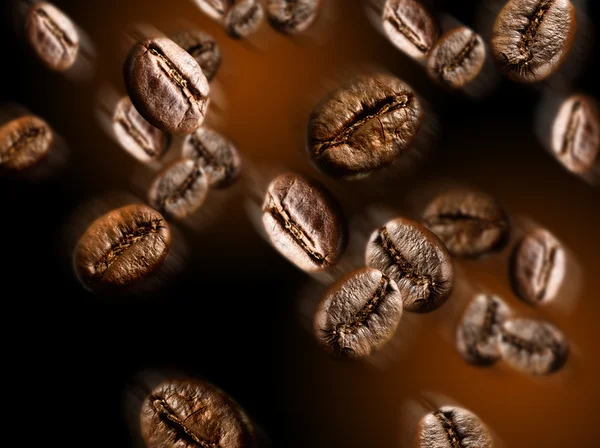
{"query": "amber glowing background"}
pixel 234 314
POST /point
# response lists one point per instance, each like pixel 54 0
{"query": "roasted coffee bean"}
pixel 410 27
pixel 363 126
pixel 576 134
pixel 138 137
pixel 532 38
pixel 304 222
pixel 479 328
pixel 194 413
pixel 469 223
pixel 215 8
pixel 457 58
pixel 53 36
pixel 244 18
pixel 166 85
pixel 203 48
pixel 292 16
pixel 24 142
pixel 217 156
pixel 358 314
pixel 538 267
pixel 122 248
pixel 179 189
pixel 533 346
pixel 452 427
pixel 416 260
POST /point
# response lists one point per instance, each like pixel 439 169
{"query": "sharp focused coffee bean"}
pixel 217 156
pixel 469 223
pixel 416 260
pixel 194 413
pixel 358 314
pixel 576 134
pixel 24 142
pixel 122 248
pixel 452 427
pixel 53 36
pixel 410 27
pixel 532 346
pixel 203 48
pixel 244 18
pixel 477 333
pixel 457 59
pixel 363 127
pixel 532 38
pixel 304 222
pixel 292 16
pixel 215 8
pixel 179 189
pixel 538 267
pixel 138 137
pixel 166 85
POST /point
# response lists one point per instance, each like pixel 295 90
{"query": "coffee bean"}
pixel 533 346
pixel 479 328
pixel 304 222
pixel 532 38
pixel 217 156
pixel 203 48
pixel 469 223
pixel 292 16
pixel 122 248
pixel 194 413
pixel 538 267
pixel 576 134
pixel 215 8
pixel 53 36
pixel 166 85
pixel 457 58
pixel 179 189
pixel 363 127
pixel 138 137
pixel 24 142
pixel 416 260
pixel 244 18
pixel 410 27
pixel 358 314
pixel 452 427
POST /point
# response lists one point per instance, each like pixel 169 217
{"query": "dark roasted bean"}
pixel 24 142
pixel 138 137
pixel 452 427
pixel 576 134
pixel 358 314
pixel 166 85
pixel 304 222
pixel 410 27
pixel 533 346
pixel 469 223
pixel 478 330
pixel 244 18
pixel 538 267
pixel 532 38
pixel 217 156
pixel 363 127
pixel 122 248
pixel 53 36
pixel 195 414
pixel 292 16
pixel 179 189
pixel 416 259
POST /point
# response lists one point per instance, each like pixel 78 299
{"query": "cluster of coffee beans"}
pixel 355 132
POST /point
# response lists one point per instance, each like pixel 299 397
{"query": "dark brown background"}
pixel 233 315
